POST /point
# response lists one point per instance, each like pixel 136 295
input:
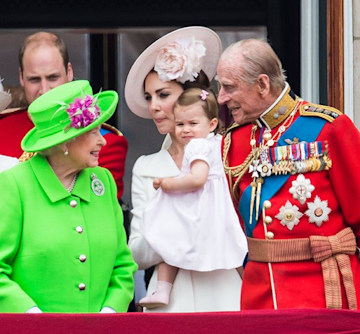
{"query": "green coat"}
pixel 43 235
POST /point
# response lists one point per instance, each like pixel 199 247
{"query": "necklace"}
pixel 72 184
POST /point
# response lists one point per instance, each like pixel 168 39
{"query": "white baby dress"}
pixel 197 230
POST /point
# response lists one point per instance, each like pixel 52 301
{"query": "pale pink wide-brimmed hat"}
pixel 201 40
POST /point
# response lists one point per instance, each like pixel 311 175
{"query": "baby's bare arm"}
pixel 193 181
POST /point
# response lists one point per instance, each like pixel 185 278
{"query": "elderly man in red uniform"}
pixel 44 64
pixel 293 173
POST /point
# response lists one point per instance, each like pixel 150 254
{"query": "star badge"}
pixel 301 189
pixel 289 215
pixel 318 211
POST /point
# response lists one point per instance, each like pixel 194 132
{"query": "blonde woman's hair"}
pixel 252 57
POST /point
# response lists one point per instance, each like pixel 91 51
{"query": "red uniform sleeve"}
pixel 344 151
pixel 113 156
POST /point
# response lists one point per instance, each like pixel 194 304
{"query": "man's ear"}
pixel 263 82
pixel 70 72
pixel 21 79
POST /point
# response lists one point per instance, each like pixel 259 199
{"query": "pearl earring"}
pixel 66 152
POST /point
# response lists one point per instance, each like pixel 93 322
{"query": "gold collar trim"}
pixel 279 110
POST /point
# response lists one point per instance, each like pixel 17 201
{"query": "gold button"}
pixel 79 229
pixel 268 220
pixel 82 258
pixel 267 135
pixel 73 203
pixel 289 215
pixel 318 212
pixel 265 168
pixel 269 235
pixel 267 204
pixel 81 286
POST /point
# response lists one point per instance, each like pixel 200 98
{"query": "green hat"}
pixel 66 112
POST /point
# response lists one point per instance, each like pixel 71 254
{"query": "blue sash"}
pixel 104 131
pixel 306 129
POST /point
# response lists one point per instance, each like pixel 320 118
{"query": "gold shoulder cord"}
pixel 111 128
pixel 26 156
pixel 236 171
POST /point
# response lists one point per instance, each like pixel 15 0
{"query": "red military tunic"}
pixel 14 125
pixel 316 201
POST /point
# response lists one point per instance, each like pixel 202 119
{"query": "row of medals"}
pixel 292 159
pixel 295 158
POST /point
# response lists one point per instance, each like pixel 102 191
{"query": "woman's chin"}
pixel 164 129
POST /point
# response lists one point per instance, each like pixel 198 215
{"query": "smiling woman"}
pixel 60 210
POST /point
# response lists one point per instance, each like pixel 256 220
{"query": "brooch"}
pixel 96 185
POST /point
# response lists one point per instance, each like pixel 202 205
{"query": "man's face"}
pixel 242 99
pixel 43 69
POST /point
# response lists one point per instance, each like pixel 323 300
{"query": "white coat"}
pixel 193 291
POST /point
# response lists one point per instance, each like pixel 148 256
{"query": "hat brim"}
pixel 32 142
pixel 5 100
pixel 134 86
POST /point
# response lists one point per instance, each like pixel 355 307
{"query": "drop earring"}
pixel 66 152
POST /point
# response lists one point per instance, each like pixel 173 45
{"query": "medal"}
pixel 97 186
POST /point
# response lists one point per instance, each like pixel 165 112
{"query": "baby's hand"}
pixel 157 183
pixel 167 184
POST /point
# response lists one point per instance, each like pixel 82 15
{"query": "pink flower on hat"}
pixel 180 60
pixel 83 112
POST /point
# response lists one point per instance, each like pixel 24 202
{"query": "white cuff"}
pixel 34 309
pixel 106 309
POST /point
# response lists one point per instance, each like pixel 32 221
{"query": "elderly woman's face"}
pixel 84 150
pixel 161 97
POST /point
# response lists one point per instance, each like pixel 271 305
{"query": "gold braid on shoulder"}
pixel 236 171
pixel 26 156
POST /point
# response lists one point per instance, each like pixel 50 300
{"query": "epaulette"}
pixel 229 129
pixel 326 112
pixel 25 156
pixel 112 129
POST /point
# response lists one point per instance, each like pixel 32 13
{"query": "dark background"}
pixel 281 17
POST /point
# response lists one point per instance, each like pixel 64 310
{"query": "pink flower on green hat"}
pixel 83 112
